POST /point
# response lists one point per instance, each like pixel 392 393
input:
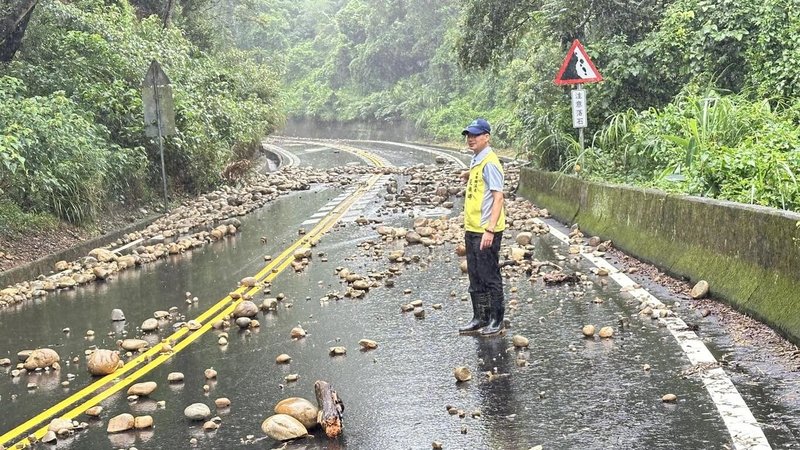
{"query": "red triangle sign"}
pixel 577 68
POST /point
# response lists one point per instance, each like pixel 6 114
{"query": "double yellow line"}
pixel 367 156
pixel 155 356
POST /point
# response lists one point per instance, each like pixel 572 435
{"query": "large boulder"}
pixel 66 283
pixel 120 423
pixel 197 411
pixel 299 408
pixel 283 427
pixel 59 424
pixel 132 345
pixel 249 281
pixel 41 358
pixel 103 362
pixel 524 238
pixel 117 315
pixel 101 273
pixel 143 389
pixel 125 262
pixel 245 309
pixel 303 252
pixel 149 325
pixel 143 422
pixel 102 255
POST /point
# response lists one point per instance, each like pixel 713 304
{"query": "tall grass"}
pixel 715 145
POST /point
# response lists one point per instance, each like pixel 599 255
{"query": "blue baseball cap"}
pixel 478 126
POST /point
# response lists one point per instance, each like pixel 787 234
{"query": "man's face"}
pixel 477 142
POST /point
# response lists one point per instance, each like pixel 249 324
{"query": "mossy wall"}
pixel 749 255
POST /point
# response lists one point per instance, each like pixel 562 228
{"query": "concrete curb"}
pixel 750 255
pixel 45 264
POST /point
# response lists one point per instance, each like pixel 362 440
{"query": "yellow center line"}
pixel 268 273
pixel 370 157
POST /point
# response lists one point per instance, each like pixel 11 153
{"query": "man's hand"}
pixel 486 240
pixel 465 175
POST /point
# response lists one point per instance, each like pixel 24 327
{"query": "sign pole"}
pixel 580 130
pixel 156 95
pixel 159 114
pixel 576 70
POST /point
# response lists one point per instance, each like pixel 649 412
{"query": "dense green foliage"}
pixel 699 96
pixel 710 145
pixel 371 60
pixel 71 109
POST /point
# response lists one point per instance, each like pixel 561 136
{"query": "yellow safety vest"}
pixel 474 197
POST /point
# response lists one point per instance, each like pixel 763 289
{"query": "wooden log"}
pixel 330 409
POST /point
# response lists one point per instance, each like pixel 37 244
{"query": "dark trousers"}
pixel 483 266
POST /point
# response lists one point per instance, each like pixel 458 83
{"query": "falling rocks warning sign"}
pixel 577 68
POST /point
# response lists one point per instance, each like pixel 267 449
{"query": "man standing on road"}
pixel 484 222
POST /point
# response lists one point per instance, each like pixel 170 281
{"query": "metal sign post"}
pixel 159 113
pixel 576 70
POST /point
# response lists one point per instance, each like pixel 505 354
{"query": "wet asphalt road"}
pixel 574 392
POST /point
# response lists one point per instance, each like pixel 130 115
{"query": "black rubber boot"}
pixel 497 314
pixel 480 313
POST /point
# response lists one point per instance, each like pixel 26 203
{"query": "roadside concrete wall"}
pixel 750 255
pixel 46 264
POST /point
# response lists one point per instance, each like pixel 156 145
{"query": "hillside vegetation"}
pixel 71 114
pixel 699 96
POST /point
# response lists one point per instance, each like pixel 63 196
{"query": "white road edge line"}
pixel 332 144
pixel 288 159
pixel 743 427
pixel 306 141
pixel 739 420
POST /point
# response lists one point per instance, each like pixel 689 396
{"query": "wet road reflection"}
pixel 565 391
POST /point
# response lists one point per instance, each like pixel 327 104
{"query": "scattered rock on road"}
pixel 133 345
pixel 283 427
pixel 59 424
pixel 49 438
pixel 462 374
pixel 298 332
pixel 41 358
pixel 150 325
pixel 368 344
pixel 245 309
pixel 520 341
pixel 299 408
pixel 197 411
pixel 143 422
pixel 338 350
pixel 175 377
pixel 248 282
pixel 143 389
pixel 120 423
pixel 606 332
pixel 103 362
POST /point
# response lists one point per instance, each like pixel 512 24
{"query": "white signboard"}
pixel 579 108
